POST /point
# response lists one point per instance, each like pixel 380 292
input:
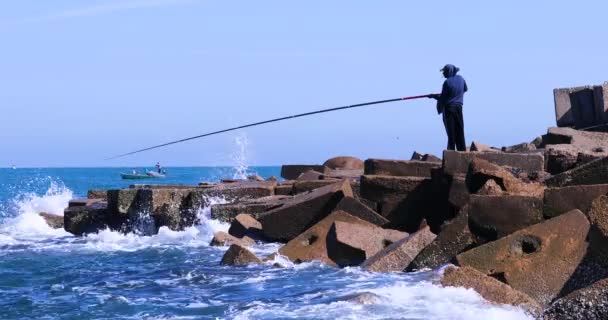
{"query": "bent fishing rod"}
pixel 273 120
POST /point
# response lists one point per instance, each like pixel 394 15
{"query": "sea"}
pixel 50 274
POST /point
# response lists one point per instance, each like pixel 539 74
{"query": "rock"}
pixel 292 172
pixel 489 288
pixel 302 211
pixel 238 191
pixel 222 238
pixel 431 158
pixel 455 162
pixel 537 260
pixel 239 256
pixel 312 244
pixel 344 163
pixel 561 200
pixel 416 156
pixel 594 172
pixel 480 171
pixel 245 225
pixel 165 206
pixel 490 188
pixel 397 256
pixel 493 217
pixel 82 202
pixel 53 220
pixel 82 220
pixel 590 303
pixel 561 158
pixel 459 194
pixel 310 175
pixel 272 178
pixel 255 177
pixel 598 234
pixel 349 244
pixel 310 185
pixel 357 209
pixel 364 298
pixel 400 168
pixel 518 148
pixel 342 174
pixel 581 106
pixel 98 194
pixel 283 189
pixel 453 239
pixel 226 212
pixel 480 147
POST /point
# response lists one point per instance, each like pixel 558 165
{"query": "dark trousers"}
pixel 454 127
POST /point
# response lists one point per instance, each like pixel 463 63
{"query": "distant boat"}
pixel 147 175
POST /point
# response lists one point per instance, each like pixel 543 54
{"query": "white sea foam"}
pixel 240 157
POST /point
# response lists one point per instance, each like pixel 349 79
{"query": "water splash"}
pixel 240 157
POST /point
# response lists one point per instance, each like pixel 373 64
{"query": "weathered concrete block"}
pixel 397 256
pixel 292 172
pixel 590 303
pixel 226 212
pixel 594 172
pixel 245 225
pixel 480 171
pixel 82 202
pixel 456 162
pixel 537 260
pixel 98 194
pixel 81 220
pixel 403 168
pixel 598 235
pixel 561 200
pixel 222 238
pixel 477 146
pixel 302 211
pixel 283 189
pixel 310 185
pixel 489 288
pixel 581 107
pixel 493 217
pixel 459 194
pixel 239 256
pixel 355 208
pixel 344 163
pixel 54 221
pixel 520 148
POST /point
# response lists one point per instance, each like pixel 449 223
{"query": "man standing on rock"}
pixel 450 102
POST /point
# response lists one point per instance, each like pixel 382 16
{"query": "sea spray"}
pixel 241 157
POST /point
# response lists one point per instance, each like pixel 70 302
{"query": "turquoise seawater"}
pixel 50 274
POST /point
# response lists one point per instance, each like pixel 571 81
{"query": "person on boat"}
pixel 450 102
pixel 158 168
pixel 133 171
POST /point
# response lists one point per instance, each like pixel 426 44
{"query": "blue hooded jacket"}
pixel 454 87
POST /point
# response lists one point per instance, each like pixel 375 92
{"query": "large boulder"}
pixel 310 175
pixel 537 260
pixel 397 256
pixel 457 162
pixel 292 172
pixel 302 211
pixel 401 168
pixel 245 225
pixel 561 200
pixel 356 208
pixel 53 220
pixel 590 303
pixel 493 217
pixel 82 220
pixel 489 288
pixel 226 212
pixel 349 244
pixel 239 256
pixel 598 235
pixel 222 238
pixel 594 172
pixel 302 186
pixel 453 239
pixel 344 163
pixel 458 194
pixel 312 243
pixel 480 171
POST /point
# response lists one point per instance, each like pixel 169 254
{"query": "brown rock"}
pixel 292 172
pixel 489 288
pixel 239 256
pixel 431 158
pixel 598 234
pixel 459 194
pixel 594 172
pixel 401 168
pixel 397 256
pixel 490 188
pixel 222 238
pixel 82 220
pixel 416 156
pixel 561 200
pixel 312 244
pixel 310 185
pixel 226 212
pixel 453 239
pixel 455 162
pixel 310 175
pixel 480 147
pixel 238 191
pixel 53 220
pixel 537 260
pixel 480 171
pixel 256 177
pixel 245 225
pixel 349 244
pixel 82 202
pixel 283 189
pixel 590 303
pixel 355 208
pixel 493 217
pixel 345 163
pixel 303 211
pixel 521 147
pixel 98 194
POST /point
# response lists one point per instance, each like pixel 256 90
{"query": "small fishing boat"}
pixel 147 175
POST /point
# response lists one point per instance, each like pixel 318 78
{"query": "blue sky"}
pixel 81 81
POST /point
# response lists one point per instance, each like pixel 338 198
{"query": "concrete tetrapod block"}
pixel 457 162
pixel 361 211
pixel 403 168
pixel 311 244
pixel 590 303
pixel 489 288
pixel 397 256
pixel 349 244
pixel 302 211
pixel 537 260
pixel 493 217
pixel 239 256
pixel 561 200
pixel 245 225
pixel 594 172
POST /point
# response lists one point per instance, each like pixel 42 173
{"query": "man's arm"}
pixel 465 87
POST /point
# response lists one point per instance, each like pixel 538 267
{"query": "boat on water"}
pixel 147 175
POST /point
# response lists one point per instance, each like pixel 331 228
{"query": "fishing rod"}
pixel 273 120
